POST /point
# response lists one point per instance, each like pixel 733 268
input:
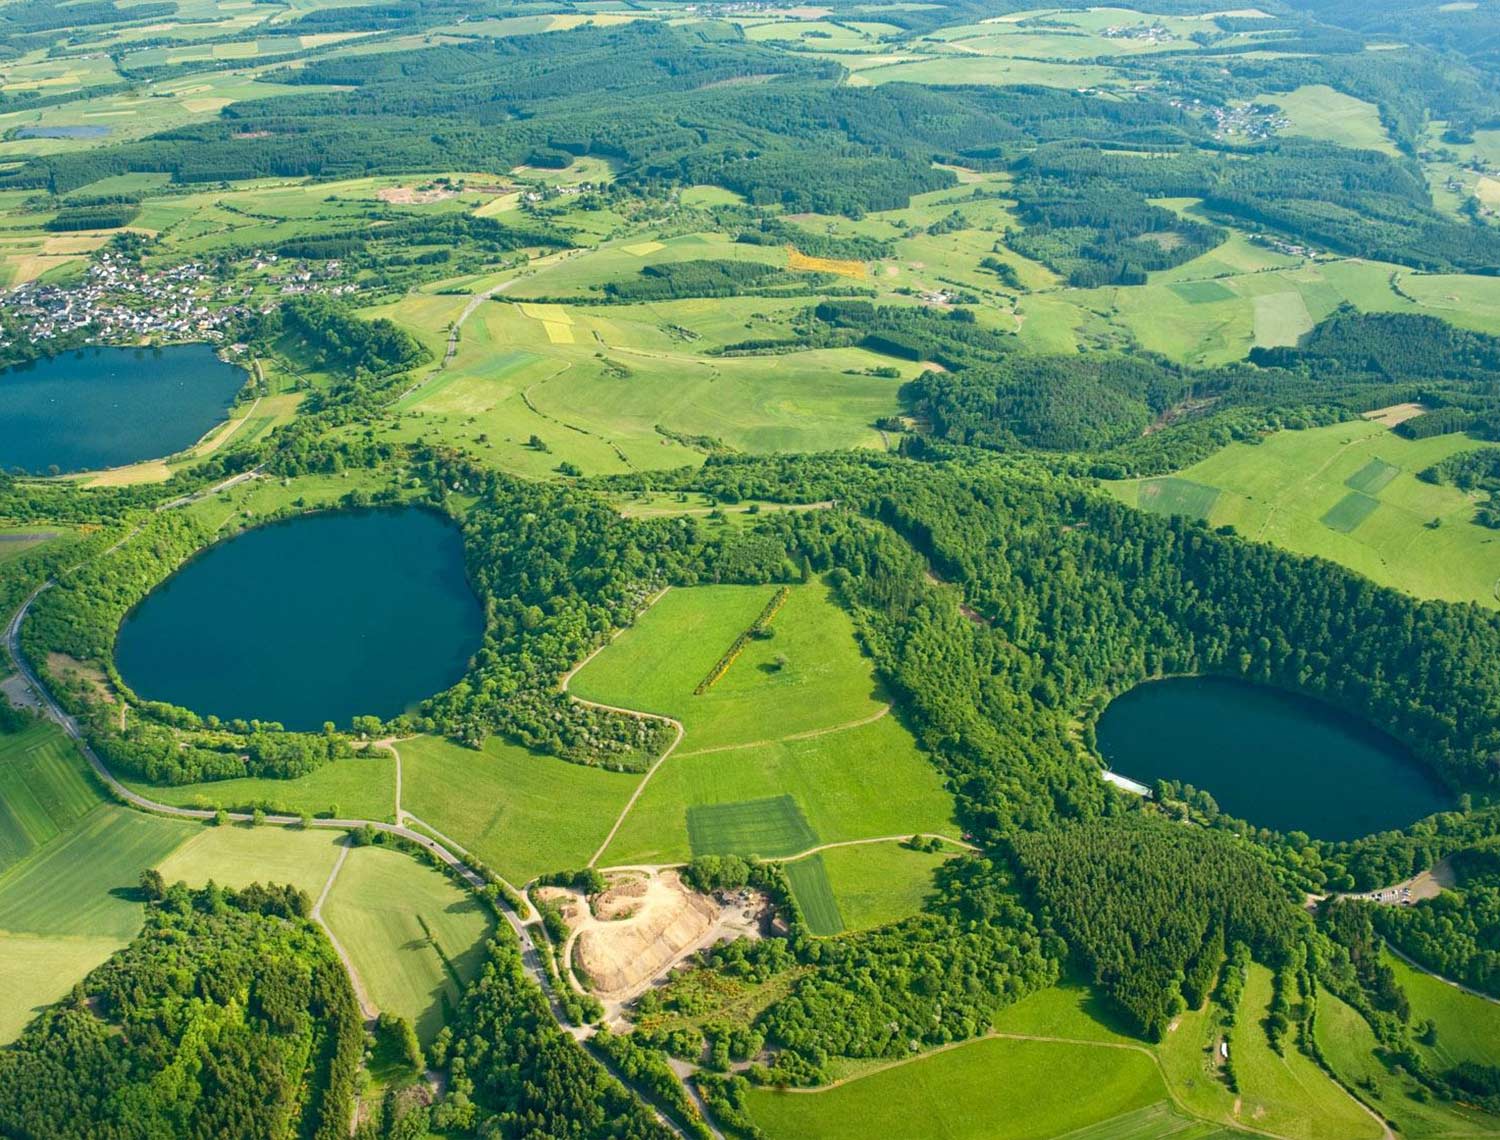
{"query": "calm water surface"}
pixel 105 407
pixel 1269 757
pixel 323 617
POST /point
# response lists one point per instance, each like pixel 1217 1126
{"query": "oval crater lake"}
pixel 106 407
pixel 322 617
pixel 1266 756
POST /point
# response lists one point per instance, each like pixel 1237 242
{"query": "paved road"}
pixel 531 954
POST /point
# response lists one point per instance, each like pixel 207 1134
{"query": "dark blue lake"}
pixel 1272 758
pixel 105 407
pixel 319 618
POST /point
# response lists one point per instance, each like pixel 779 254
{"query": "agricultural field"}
pixel 1348 492
pixel 520 812
pixel 987 1090
pixel 237 855
pixel 732 785
pixel 415 938
pixel 1323 113
pixel 878 883
pixel 358 788
pixel 45 788
pixel 72 904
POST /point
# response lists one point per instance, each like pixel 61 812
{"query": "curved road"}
pixel 531 958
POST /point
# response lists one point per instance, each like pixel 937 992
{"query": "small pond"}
pixel 105 407
pixel 319 618
pixel 1269 757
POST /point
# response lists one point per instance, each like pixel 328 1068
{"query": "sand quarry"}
pixel 646 923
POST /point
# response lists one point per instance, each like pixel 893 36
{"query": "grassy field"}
pixel 45 789
pixel 1468 1027
pixel 519 811
pixel 768 827
pixel 814 894
pixel 655 665
pixel 1323 113
pixel 594 385
pixel 1289 1094
pixel 238 855
pixel 797 715
pixel 1350 1047
pixel 1332 492
pixel 415 937
pixel 852 784
pixel 357 788
pixel 878 883
pixel 987 1090
pixel 72 903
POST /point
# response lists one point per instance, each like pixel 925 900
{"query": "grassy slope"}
pixel 987 1090
pixel 1349 1046
pixel 855 784
pixel 655 666
pixel 1287 1094
pixel 1279 492
pixel 44 789
pixel 519 811
pixel 68 907
pixel 861 781
pixel 1468 1027
pixel 414 937
pixel 238 855
pixel 879 883
pixel 358 788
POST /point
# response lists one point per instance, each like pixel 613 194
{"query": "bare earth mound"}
pixel 645 924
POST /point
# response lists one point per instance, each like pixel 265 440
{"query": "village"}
pixel 119 301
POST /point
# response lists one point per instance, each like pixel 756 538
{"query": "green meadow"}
pixel 45 788
pixel 520 812
pixel 874 884
pixel 357 788
pixel 237 855
pixel 790 747
pixel 72 904
pixel 1348 492
pixel 415 938
pixel 993 1089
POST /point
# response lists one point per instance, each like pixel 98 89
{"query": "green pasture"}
pixel 1294 490
pixel 45 788
pixel 84 882
pixel 814 894
pixel 1346 514
pixel 72 904
pixel 855 783
pixel 1287 1094
pixel 596 385
pixel 1468 1028
pixel 357 788
pixel 1171 495
pixel 40 969
pixel 237 855
pixel 766 828
pixel 521 812
pixel 1320 112
pixel 809 675
pixel 415 938
pixel 993 1089
pixel 1349 1046
pixel 878 883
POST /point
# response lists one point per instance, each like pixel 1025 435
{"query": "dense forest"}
pixel 228 1015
